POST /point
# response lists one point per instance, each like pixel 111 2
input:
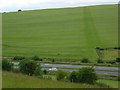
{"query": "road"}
pixel 113 71
pixel 79 66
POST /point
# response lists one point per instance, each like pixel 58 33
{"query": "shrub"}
pixel 7 65
pixel 85 60
pixel 60 75
pixel 100 61
pixel 53 61
pixel 102 49
pixel 117 48
pixel 73 76
pixel 97 48
pixel 118 78
pixel 19 10
pixel 28 67
pixel 118 60
pixel 87 75
pixel 45 71
pixel 84 75
pixel 18 58
pixel 111 62
pixel 36 58
pixel 38 71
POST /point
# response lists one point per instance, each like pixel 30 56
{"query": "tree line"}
pixel 30 68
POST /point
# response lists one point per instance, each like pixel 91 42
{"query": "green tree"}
pixel 100 61
pixel 28 67
pixel 38 71
pixel 73 76
pixel 36 58
pixel 53 61
pixel 87 75
pixel 60 75
pixel 85 60
pixel 45 71
pixel 111 61
pixel 7 65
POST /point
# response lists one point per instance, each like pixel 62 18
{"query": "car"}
pixel 53 69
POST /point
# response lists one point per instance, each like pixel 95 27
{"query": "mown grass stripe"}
pixel 90 28
pixel 90 32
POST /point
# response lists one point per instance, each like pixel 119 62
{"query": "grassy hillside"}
pixel 70 33
pixel 111 83
pixel 12 80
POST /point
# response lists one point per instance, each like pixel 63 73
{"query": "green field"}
pixel 111 83
pixel 69 33
pixel 12 80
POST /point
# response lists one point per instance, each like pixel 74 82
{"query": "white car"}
pixel 53 69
